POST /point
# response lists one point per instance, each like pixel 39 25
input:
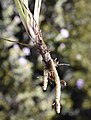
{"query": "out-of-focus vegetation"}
pixel 66 27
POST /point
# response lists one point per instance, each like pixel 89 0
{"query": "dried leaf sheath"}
pixel 45 81
pixel 37 11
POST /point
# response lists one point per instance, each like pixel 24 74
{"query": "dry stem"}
pixel 32 28
pixel 50 66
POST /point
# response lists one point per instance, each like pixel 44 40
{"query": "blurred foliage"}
pixel 66 27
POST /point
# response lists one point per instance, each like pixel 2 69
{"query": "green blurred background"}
pixel 66 28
